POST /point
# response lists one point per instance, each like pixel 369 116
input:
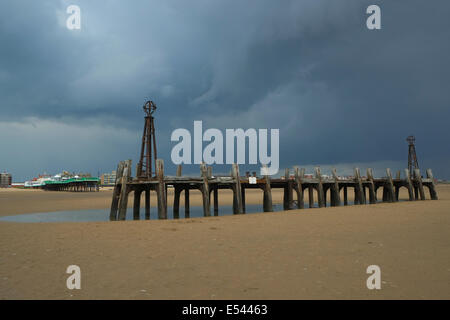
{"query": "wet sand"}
pixel 299 254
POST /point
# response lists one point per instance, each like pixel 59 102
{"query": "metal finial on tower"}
pixel 412 157
pixel 144 168
pixel 149 107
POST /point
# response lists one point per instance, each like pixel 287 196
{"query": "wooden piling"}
pixel 432 186
pixel 299 189
pixel 176 202
pixel 409 185
pixel 137 204
pixel 161 190
pixel 345 196
pixel 147 203
pixel 237 195
pixel 359 188
pixel 320 195
pixel 335 194
pixel 205 190
pixel 267 198
pixel 187 211
pixel 243 198
pixel 372 193
pixel 389 187
pixel 216 202
pixel 123 200
pixel 116 192
pixel 288 192
pixel 311 196
pixel 418 181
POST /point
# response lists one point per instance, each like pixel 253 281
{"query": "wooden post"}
pixel 123 201
pixel 147 203
pixel 176 202
pixel 187 211
pixel 267 199
pixel 116 192
pixel 137 204
pixel 205 191
pixel 287 198
pixel 345 196
pixel 372 193
pixel 409 185
pixel 179 170
pixel 390 186
pixel 335 194
pixel 237 195
pixel 311 195
pixel 299 189
pixel 209 172
pixel 216 201
pixel 161 190
pixel 432 186
pixel 359 188
pixel 320 195
pixel 243 198
pixel 397 192
pixel 418 180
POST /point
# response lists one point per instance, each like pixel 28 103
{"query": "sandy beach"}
pixel 299 254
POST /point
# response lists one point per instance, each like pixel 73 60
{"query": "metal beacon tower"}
pixel 412 157
pixel 144 168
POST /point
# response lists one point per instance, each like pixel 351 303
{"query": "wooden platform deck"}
pixel 364 188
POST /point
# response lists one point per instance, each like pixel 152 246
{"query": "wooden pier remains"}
pixel 318 186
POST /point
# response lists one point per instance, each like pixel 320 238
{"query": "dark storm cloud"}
pixel 339 92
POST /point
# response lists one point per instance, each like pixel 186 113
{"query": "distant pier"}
pixel 74 185
pixel 326 190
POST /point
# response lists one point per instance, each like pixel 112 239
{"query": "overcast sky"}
pixel 341 95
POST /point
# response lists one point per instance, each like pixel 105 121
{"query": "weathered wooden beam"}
pixel 216 202
pixel 359 188
pixel 372 193
pixel 432 186
pixel 267 198
pixel 298 180
pixel 418 181
pixel 335 194
pixel 123 200
pixel 187 211
pixel 209 172
pixel 116 192
pixel 237 195
pixel 409 185
pixel 311 196
pixel 356 195
pixel 137 204
pixel 320 195
pixel 161 190
pixel 176 202
pixel 288 191
pixel 205 190
pixel 345 196
pixel 389 186
pixel 243 198
pixel 147 203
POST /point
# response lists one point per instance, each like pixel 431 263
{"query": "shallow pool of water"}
pixel 103 214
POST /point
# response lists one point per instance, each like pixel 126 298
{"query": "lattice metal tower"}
pixel 412 157
pixel 144 168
